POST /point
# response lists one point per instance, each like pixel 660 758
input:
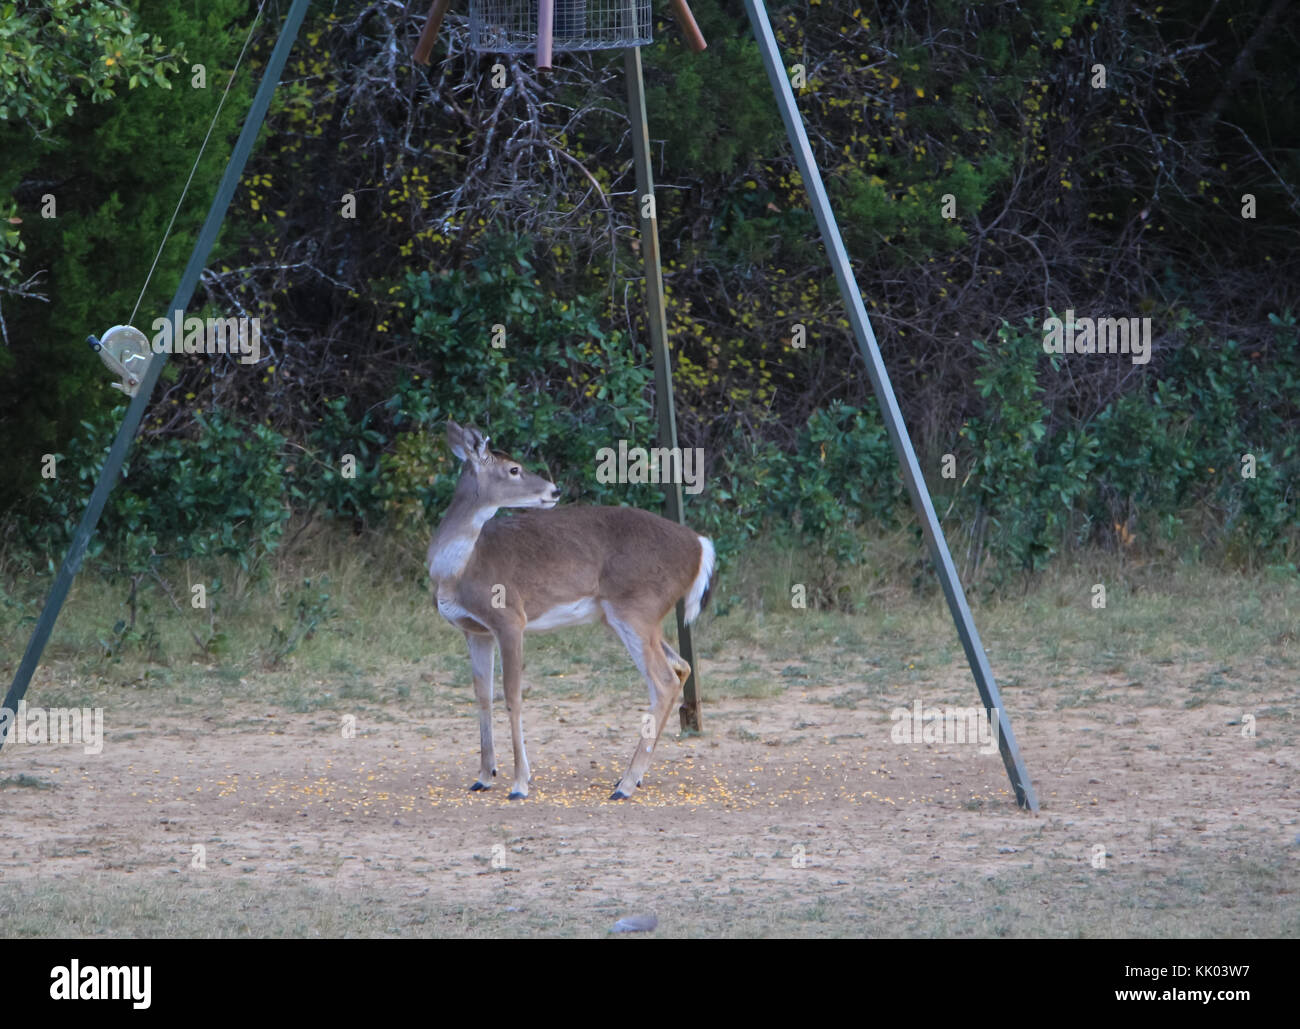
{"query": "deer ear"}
pixel 477 444
pixel 468 443
pixel 456 440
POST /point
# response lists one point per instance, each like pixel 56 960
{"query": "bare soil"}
pixel 791 815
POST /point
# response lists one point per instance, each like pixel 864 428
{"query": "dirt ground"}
pixel 275 798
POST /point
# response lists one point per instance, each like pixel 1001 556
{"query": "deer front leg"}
pixel 511 643
pixel 482 657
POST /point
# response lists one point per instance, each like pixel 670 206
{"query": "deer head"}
pixel 496 479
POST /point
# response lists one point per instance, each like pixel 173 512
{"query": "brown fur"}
pixel 630 566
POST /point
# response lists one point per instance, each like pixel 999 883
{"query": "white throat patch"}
pixel 450 559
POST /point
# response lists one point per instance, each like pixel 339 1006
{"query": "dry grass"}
pixel 1131 718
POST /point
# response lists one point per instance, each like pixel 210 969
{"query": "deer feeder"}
pixel 544 26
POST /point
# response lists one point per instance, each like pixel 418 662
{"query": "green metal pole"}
pixel 658 318
pixel 135 413
pixel 893 417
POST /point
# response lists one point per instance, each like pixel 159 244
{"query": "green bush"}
pixel 559 387
pixel 338 472
pixel 1029 482
pixel 1149 458
pixel 220 492
pixel 822 499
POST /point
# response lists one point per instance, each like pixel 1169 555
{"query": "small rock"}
pixel 636 924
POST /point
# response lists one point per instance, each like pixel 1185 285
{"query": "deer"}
pixel 545 567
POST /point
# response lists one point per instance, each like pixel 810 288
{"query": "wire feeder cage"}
pixel 510 26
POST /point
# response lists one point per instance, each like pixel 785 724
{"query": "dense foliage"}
pixel 992 166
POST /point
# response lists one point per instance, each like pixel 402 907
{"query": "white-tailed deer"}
pixel 540 569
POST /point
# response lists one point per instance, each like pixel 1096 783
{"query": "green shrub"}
pixel 558 387
pixel 338 471
pixel 1029 482
pixel 219 492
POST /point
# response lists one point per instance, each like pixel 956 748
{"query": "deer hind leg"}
pixel 511 643
pixel 676 662
pixel 649 653
pixel 482 658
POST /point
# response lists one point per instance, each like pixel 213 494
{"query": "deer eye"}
pixel 514 470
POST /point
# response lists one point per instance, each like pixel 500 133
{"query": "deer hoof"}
pixel 620 795
pixel 480 786
pixel 516 795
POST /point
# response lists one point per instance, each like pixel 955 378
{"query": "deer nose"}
pixel 555 492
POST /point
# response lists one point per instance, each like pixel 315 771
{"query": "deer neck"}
pixel 453 544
